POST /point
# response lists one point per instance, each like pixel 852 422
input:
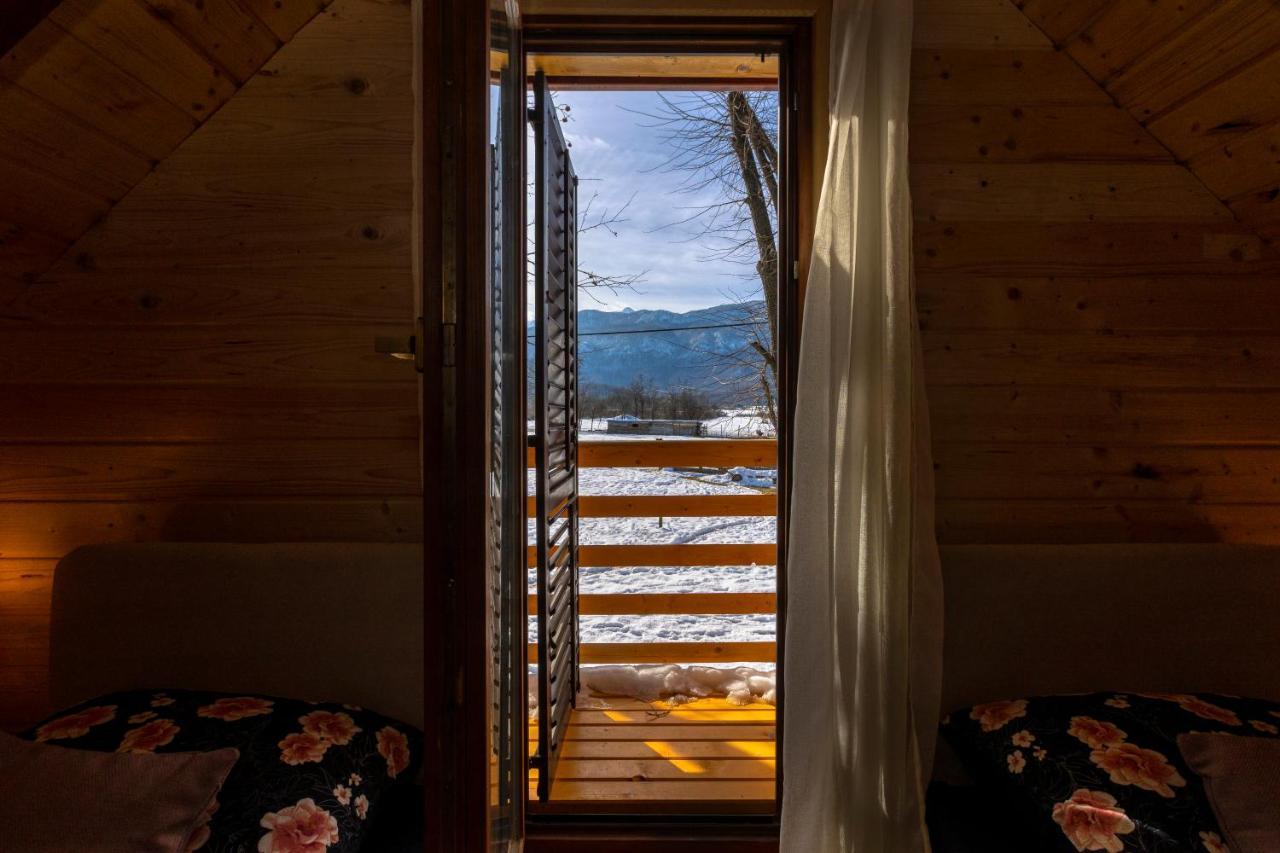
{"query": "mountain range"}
pixel 701 349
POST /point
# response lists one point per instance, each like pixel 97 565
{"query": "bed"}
pixel 306 658
pixel 1145 641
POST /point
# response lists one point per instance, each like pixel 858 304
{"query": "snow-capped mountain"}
pixel 709 348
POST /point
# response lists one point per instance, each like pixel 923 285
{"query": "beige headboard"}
pixel 1027 620
pixel 338 622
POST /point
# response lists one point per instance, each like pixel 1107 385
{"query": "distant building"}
pixel 631 425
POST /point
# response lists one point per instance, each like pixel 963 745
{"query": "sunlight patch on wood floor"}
pixel 628 755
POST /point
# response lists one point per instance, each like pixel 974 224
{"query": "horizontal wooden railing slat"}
pixel 697 453
pixel 718 554
pixel 644 603
pixel 673 652
pixel 672 506
pixel 690 453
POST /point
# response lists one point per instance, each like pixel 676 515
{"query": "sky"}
pixel 619 154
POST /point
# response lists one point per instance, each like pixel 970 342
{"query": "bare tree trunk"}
pixel 727 142
pixel 741 120
pixel 765 151
pixel 770 408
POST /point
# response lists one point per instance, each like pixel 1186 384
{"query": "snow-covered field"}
pixel 740 423
pixel 671 579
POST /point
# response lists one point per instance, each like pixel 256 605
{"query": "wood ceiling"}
pixel 1203 76
pixel 98 92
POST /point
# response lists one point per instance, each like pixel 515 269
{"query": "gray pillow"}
pixel 1242 778
pixel 55 799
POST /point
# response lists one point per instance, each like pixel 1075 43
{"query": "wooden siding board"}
pixel 253 125
pixel 1129 29
pixel 1062 19
pixel 48 529
pixel 947 76
pixel 1122 249
pixel 271 182
pixel 1061 192
pixel 1237 105
pixel 235 354
pixel 1104 417
pixel 328 296
pixel 146 412
pixel 963 133
pixel 286 17
pixel 1228 36
pixel 25 251
pixel 125 34
pixel 975 23
pixel 1113 359
pixel 37 135
pixel 45 203
pixel 224 30
pixel 1010 471
pixel 68 74
pixel 168 472
pixel 959 302
pixel 219 238
pixel 1250 163
pixel 1056 522
pixel 1261 210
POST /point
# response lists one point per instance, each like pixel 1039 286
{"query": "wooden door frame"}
pixel 791 38
pixel 452 272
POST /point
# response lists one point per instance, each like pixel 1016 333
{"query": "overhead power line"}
pixel 670 329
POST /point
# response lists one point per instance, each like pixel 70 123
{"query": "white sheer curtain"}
pixel 863 641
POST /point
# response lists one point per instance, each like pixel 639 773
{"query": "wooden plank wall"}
pixel 93 93
pixel 200 366
pixel 1101 333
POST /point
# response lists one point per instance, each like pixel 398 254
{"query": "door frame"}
pixel 791 39
pixel 451 272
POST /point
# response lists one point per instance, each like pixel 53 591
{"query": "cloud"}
pixel 580 142
pixel 619 157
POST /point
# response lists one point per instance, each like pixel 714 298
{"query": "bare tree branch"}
pixel 725 142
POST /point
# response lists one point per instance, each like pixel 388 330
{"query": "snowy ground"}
pixel 672 579
pixel 740 423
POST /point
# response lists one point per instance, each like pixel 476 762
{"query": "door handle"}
pixel 401 347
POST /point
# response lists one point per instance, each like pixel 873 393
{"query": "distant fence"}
pixel 726 426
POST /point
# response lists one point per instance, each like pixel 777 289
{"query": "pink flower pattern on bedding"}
pixel 309 778
pixel 1102 771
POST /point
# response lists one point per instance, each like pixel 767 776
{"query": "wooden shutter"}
pixel 556 430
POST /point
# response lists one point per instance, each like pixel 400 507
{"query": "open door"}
pixel 555 437
pixel 470 252
pixel 507 477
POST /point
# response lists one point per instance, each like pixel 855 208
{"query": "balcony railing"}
pixel 675 453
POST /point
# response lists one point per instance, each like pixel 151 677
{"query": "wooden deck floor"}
pixel 629 756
